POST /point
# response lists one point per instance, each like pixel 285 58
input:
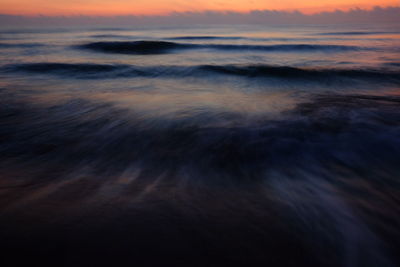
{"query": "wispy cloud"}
pixel 376 15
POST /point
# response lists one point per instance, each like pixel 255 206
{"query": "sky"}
pixel 164 7
pixel 377 15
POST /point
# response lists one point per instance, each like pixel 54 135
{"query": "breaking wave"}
pixel 99 71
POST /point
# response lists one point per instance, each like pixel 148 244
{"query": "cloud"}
pixel 375 15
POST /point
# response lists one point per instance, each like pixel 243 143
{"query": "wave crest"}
pixel 101 71
pixel 161 47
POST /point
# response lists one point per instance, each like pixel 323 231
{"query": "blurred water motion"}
pixel 176 147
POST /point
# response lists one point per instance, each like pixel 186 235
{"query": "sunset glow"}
pixel 155 7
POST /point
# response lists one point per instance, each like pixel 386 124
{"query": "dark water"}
pixel 224 146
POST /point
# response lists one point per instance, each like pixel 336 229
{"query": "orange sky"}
pixel 147 7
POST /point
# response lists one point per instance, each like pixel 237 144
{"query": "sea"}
pixel 194 145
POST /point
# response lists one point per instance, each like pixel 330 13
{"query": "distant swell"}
pixel 136 47
pixel 206 38
pixel 19 45
pixel 110 36
pixel 161 47
pixel 392 64
pixel 357 33
pixel 100 71
pixel 284 47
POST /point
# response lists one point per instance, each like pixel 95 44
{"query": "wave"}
pixel 206 38
pixel 65 67
pixel 273 39
pixel 100 71
pixel 394 64
pixel 35 30
pixel 255 39
pixel 79 70
pixel 357 33
pixel 161 47
pixel 285 47
pixel 118 36
pixel 136 47
pixel 304 73
pixel 110 36
pixel 20 45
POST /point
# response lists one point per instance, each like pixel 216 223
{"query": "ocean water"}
pixel 200 146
